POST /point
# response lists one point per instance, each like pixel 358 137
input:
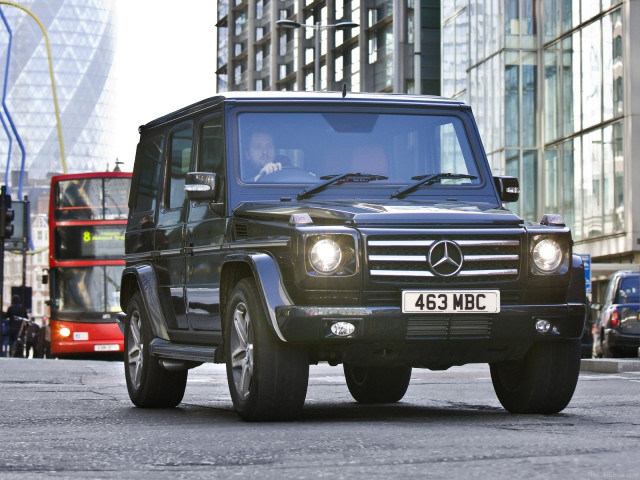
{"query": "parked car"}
pixel 616 332
pixel 274 230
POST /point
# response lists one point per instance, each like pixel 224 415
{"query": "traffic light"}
pixel 6 214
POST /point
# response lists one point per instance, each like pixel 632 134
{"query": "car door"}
pixel 169 241
pixel 205 232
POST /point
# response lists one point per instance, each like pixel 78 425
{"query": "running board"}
pixel 177 351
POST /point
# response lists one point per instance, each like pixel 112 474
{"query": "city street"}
pixel 73 419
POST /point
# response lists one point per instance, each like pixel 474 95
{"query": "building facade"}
pixel 555 90
pixel 381 51
pixel 82 44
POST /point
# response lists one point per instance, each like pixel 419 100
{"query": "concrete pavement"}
pixel 610 365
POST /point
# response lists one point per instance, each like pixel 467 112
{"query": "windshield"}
pixel 87 289
pixel 92 199
pixel 309 148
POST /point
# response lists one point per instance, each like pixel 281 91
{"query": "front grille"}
pixel 448 328
pixel 405 258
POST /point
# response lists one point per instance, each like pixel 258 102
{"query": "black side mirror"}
pixel 201 186
pixel 508 188
pixel 45 277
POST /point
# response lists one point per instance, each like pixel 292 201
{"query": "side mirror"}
pixel 201 186
pixel 45 276
pixel 508 188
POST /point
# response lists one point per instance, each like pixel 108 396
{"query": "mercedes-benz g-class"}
pixel 271 231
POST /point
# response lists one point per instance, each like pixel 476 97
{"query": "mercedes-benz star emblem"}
pixel 445 258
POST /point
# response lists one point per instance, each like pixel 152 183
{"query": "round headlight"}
pixel 325 256
pixel 65 332
pixel 547 255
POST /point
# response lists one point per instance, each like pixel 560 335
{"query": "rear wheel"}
pixel 543 381
pixel 148 383
pixel 267 377
pixel 377 384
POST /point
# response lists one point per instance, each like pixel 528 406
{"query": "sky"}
pixel 165 60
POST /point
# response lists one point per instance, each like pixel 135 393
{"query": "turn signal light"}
pixel 614 320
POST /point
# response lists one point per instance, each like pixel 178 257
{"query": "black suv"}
pixel 271 231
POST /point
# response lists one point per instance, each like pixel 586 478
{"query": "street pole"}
pixel 317 59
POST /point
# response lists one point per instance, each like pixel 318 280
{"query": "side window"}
pixel 211 146
pixel 178 166
pixel 211 152
pixel 147 175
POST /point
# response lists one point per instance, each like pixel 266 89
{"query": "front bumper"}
pixel 312 324
pixel 384 335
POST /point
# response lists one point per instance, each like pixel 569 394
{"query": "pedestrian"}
pixel 32 338
pixel 4 337
pixel 46 346
pixel 15 315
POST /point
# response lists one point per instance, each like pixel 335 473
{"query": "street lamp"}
pixel 317 27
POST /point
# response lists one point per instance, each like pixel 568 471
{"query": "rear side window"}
pixel 180 152
pixel 146 175
pixel 629 291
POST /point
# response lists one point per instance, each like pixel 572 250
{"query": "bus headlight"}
pixel 325 256
pixel 65 332
pixel 547 255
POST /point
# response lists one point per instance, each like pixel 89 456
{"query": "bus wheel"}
pixel 377 384
pixel 542 382
pixel 267 377
pixel 148 383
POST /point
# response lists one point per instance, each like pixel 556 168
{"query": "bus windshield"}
pixel 87 289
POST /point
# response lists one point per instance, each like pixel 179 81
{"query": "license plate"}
pixel 451 301
pixel 106 348
pixel 81 335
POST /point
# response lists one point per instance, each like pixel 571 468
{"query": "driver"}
pixel 261 156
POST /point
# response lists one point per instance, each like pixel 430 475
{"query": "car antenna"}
pixel 344 90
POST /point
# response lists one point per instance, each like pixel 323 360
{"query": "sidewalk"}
pixel 610 365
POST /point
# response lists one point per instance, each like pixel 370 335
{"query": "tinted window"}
pixel 179 162
pixel 629 292
pixel 147 175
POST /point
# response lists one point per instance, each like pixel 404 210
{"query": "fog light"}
pixel 543 326
pixel 343 329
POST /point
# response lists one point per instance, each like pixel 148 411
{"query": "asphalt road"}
pixel 73 419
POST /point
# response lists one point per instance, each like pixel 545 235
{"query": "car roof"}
pixel 349 98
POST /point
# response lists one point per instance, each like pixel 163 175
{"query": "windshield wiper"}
pixel 331 179
pixel 429 180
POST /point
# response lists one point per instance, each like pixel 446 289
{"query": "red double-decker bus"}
pixel 87 221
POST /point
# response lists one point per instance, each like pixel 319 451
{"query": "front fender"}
pixel 142 278
pixel 268 279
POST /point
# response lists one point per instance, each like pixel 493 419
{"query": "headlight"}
pixel 325 256
pixel 65 332
pixel 547 255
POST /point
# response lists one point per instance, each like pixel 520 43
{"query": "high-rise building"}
pixel 556 93
pixel 367 45
pixel 82 43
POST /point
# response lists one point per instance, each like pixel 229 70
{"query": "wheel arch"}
pixel 141 278
pixel 266 273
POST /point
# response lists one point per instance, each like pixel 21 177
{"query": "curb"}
pixel 609 365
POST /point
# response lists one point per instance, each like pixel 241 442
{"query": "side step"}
pixel 176 351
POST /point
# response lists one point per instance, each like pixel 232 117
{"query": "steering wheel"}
pixel 289 174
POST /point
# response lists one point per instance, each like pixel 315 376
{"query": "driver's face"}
pixel 261 149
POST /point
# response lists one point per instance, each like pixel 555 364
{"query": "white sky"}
pixel 165 60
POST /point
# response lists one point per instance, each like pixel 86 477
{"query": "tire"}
pixel 377 384
pixel 543 381
pixel 607 351
pixel 148 383
pixel 267 377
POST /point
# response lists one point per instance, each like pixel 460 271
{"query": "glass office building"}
pixel 555 90
pixel 391 47
pixel 81 36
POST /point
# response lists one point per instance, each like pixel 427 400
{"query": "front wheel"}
pixel 543 381
pixel 377 384
pixel 267 377
pixel 148 383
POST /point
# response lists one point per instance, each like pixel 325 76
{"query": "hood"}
pixel 360 214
